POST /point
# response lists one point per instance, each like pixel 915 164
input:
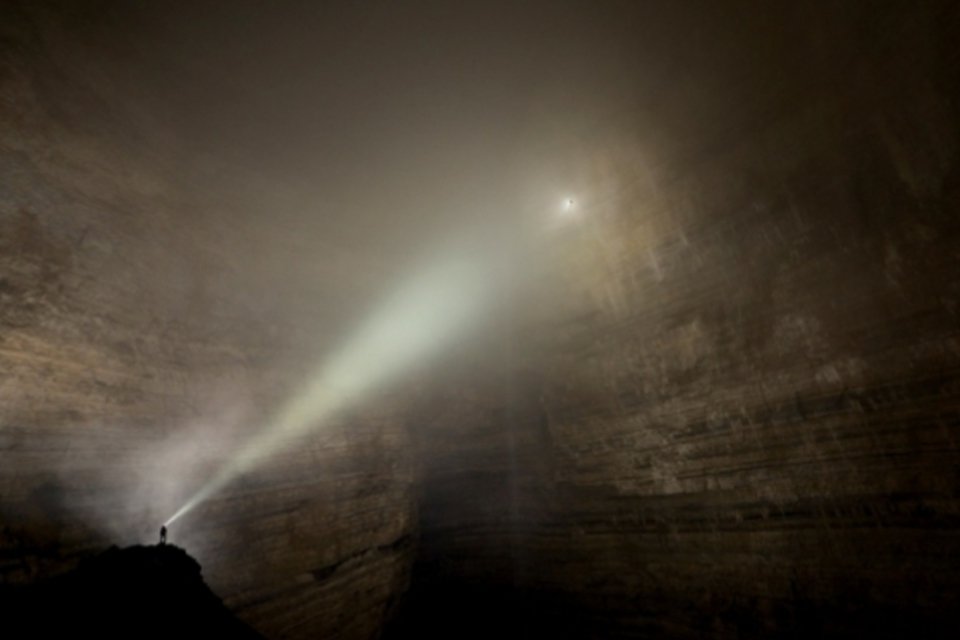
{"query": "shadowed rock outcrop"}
pixel 134 592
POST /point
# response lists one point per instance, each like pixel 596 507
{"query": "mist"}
pixel 381 135
pixel 631 318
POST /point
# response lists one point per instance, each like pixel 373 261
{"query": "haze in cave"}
pixel 434 319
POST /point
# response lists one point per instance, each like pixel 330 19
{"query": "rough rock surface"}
pixel 728 407
pixel 144 333
pixel 743 421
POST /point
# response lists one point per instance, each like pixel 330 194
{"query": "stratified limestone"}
pixel 743 419
pixel 146 331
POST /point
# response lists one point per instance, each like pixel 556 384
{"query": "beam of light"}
pixel 419 320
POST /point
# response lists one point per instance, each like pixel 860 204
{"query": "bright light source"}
pixel 566 214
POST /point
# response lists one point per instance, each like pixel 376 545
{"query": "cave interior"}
pixel 426 319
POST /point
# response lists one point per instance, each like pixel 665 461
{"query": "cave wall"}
pixel 732 410
pixel 727 406
pixel 147 326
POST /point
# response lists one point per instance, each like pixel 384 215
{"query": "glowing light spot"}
pixel 565 214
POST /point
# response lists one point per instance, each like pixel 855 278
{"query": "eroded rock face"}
pixel 743 421
pixel 144 336
pixel 727 407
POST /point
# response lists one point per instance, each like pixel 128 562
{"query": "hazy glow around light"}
pixel 421 318
pixel 565 213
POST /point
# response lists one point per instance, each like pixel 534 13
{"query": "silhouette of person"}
pixel 163 534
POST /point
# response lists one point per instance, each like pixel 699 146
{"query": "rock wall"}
pixel 147 327
pixel 726 405
pixel 733 409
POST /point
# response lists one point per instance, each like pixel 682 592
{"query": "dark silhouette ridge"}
pixel 135 592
